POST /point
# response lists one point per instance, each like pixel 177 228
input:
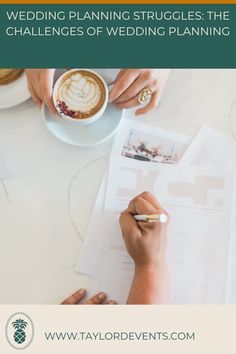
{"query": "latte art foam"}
pixel 81 94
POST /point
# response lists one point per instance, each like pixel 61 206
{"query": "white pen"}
pixel 162 218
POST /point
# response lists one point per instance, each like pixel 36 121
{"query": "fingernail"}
pixel 101 296
pixel 82 291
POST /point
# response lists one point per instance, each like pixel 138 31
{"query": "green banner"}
pixel 165 36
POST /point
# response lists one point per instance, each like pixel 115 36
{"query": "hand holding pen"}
pixel 144 239
pixel 146 243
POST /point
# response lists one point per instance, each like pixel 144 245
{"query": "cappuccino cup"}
pixel 80 96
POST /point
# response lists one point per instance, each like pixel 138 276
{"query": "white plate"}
pixel 83 135
pixel 14 93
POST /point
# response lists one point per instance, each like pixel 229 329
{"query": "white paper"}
pixel 199 202
pixel 172 145
pixel 210 148
pixel 89 253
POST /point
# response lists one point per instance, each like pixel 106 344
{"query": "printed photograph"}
pixel 147 147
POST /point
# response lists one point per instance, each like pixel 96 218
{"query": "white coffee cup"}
pixel 63 113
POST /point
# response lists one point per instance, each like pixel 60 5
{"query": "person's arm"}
pixel 40 83
pixel 149 285
pixel 146 244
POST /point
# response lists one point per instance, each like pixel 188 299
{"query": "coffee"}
pixel 80 94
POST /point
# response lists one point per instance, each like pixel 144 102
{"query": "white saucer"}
pixel 83 135
pixel 14 93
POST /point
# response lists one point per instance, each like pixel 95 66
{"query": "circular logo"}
pixel 19 330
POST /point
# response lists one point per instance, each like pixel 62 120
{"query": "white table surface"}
pixel 50 187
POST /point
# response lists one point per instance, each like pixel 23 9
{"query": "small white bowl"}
pixel 83 121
